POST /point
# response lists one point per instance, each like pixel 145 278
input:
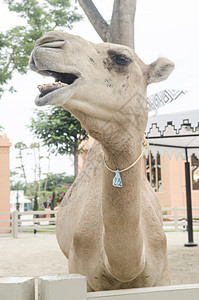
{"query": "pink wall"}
pixel 173 183
pixel 4 178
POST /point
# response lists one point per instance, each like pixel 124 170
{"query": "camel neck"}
pixel 131 178
pixel 117 180
pixel 128 179
pixel 123 160
pixel 121 210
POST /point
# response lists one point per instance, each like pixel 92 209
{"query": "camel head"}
pixel 102 85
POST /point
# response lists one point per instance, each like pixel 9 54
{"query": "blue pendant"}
pixel 117 180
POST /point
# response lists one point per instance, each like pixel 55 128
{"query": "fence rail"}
pixel 73 287
pixel 30 221
pixel 174 219
pixel 5 224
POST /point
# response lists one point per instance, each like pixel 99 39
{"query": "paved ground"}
pixel 40 255
pixel 31 255
pixel 184 261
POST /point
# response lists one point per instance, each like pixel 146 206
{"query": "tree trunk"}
pixel 96 19
pixel 23 171
pixel 76 153
pixel 122 22
pixel 48 171
pixel 121 28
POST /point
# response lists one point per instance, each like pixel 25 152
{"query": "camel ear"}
pixel 159 70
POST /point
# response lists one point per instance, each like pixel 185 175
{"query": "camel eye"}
pixel 120 58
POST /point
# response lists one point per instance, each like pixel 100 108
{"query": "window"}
pixel 153 171
pixel 195 172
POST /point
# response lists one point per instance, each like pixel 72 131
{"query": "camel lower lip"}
pixel 52 97
pixel 41 100
pixel 46 99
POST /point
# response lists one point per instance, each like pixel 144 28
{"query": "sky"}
pixel 163 28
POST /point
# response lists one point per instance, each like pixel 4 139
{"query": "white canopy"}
pixel 175 126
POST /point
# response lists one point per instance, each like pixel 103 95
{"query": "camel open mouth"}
pixel 61 80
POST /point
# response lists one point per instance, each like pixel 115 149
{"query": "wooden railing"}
pixel 174 219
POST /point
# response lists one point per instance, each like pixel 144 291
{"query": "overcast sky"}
pixel 162 28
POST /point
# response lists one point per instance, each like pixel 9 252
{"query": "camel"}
pixel 109 224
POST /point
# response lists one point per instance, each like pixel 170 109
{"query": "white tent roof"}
pixel 176 125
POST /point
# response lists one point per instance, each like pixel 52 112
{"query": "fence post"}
pixel 175 209
pixel 67 287
pixel 15 224
pixel 17 288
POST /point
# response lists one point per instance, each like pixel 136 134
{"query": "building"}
pixel 167 177
pixel 17 199
pixel 4 180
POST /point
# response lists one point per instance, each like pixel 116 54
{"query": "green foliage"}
pixel 35 203
pixel 17 204
pixel 57 196
pixel 58 129
pixel 54 187
pixel 52 204
pixel 41 208
pixel 54 181
pixel 32 190
pixel 21 146
pixel 60 193
pixel 40 190
pixel 38 17
pixel 1 128
pixel 14 186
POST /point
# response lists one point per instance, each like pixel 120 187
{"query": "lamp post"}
pixel 189 204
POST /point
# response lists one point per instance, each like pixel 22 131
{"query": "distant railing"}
pixel 30 221
pixel 174 219
pixel 35 221
pixel 5 223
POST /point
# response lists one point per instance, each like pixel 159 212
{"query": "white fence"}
pixel 5 224
pixel 174 219
pixel 73 287
pixel 31 221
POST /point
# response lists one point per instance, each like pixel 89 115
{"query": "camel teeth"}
pixel 49 85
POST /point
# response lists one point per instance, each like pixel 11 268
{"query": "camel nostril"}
pixel 51 40
pixel 51 44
